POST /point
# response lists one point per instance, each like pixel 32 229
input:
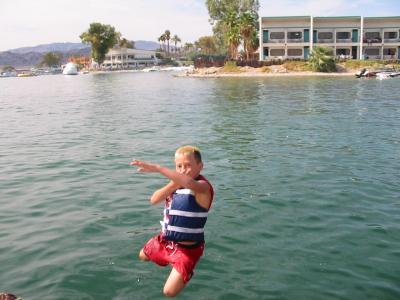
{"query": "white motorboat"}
pixel 70 69
pixel 387 74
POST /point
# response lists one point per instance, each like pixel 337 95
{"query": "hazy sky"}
pixel 33 22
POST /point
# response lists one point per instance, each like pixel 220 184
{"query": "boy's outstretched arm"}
pixel 179 179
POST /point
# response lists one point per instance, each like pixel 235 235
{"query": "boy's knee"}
pixel 143 256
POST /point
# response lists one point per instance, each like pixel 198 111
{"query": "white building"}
pixel 353 37
pixel 125 58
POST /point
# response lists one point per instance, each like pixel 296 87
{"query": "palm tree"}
pixel 162 39
pixel 232 32
pixel 321 60
pixel 253 44
pixel 124 43
pixel 167 34
pixel 187 47
pixel 176 39
pixel 247 25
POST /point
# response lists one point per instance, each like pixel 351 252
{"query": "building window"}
pixel 296 35
pixel 277 35
pixel 325 35
pixel 372 51
pixel 343 35
pixel 277 52
pixel 372 35
pixel 389 51
pixel 391 35
pixel 295 52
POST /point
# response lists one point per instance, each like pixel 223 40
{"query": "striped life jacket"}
pixel 184 218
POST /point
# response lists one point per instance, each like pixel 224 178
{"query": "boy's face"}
pixel 187 164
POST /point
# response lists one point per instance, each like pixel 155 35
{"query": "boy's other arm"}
pixel 162 193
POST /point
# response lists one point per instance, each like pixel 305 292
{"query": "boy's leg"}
pixel 143 256
pixel 174 284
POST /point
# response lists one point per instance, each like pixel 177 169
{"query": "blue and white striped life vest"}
pixel 184 218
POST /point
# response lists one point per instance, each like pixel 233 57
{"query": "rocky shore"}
pixel 271 71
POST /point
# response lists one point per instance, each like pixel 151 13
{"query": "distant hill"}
pixel 146 45
pixel 31 56
pixel 54 47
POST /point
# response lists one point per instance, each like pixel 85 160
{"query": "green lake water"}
pixel 306 172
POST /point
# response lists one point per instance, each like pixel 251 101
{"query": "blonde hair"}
pixel 189 150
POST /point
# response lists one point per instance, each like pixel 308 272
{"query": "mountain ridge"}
pixel 31 56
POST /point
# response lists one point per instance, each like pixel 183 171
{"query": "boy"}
pixel 188 197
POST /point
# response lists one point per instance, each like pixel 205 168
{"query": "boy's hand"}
pixel 145 166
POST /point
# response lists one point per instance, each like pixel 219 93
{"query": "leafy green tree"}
pixel 51 59
pixel 321 60
pixel 206 44
pixel 102 38
pixel 226 15
pixel 218 9
pixel 124 43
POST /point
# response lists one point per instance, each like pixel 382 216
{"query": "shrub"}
pixel 297 66
pixel 265 69
pixel 321 60
pixel 231 67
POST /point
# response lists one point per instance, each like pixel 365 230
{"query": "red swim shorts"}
pixel 163 252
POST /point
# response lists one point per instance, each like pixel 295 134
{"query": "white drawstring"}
pixel 172 245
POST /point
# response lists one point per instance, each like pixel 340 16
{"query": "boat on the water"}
pixel 385 75
pixel 379 74
pixel 70 69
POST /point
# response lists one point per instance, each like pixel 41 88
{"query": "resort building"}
pixel 125 58
pixel 353 37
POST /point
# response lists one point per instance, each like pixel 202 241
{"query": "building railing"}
pixel 325 41
pixel 344 40
pixel 295 40
pixel 366 56
pixel 277 41
pixel 372 41
pixel 391 40
pixel 389 56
